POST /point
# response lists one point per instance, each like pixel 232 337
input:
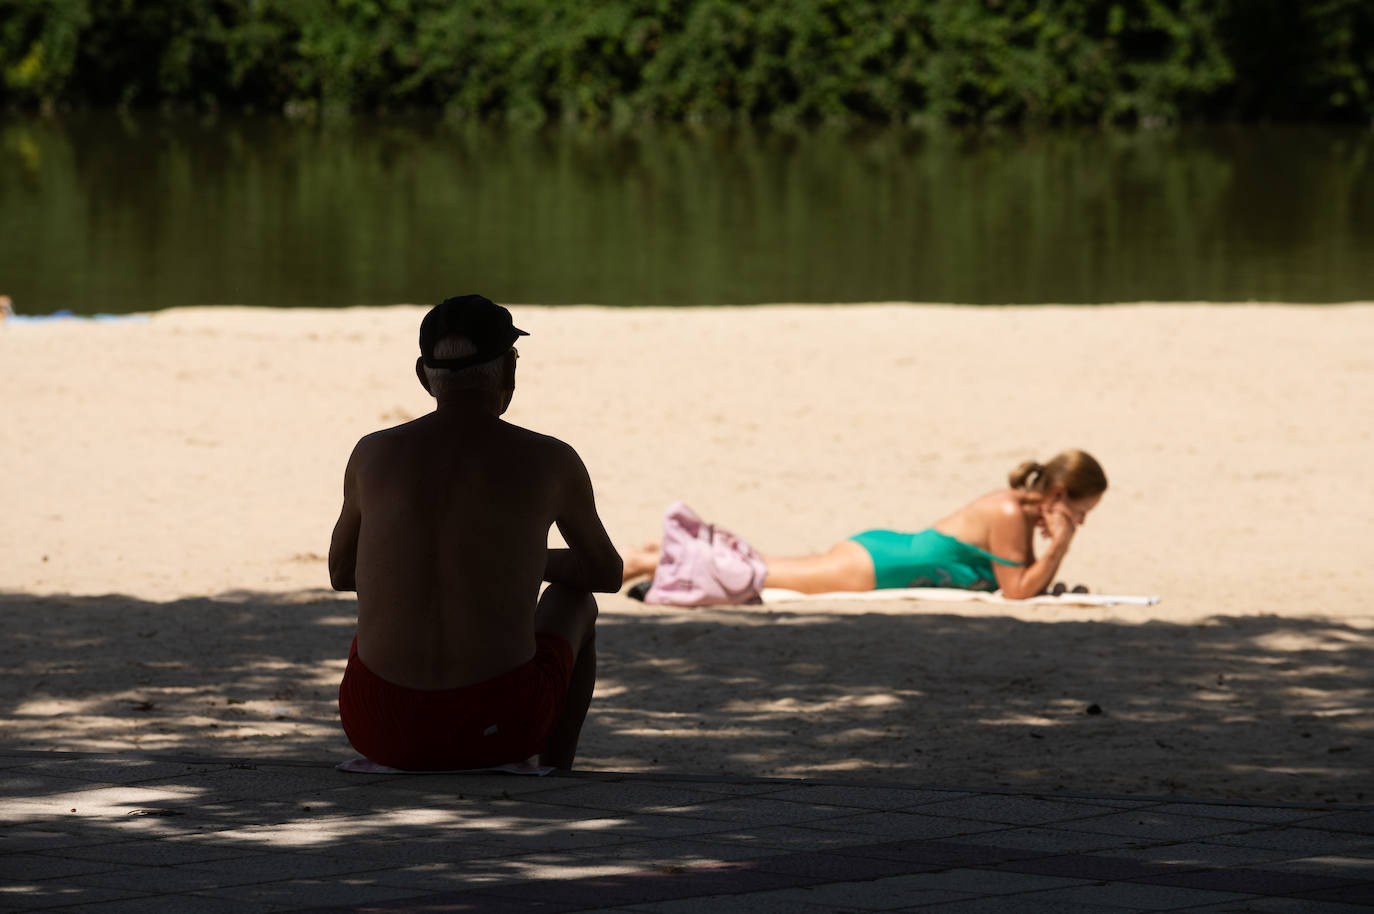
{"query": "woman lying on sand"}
pixel 985 545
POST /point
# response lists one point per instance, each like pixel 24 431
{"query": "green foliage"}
pixel 779 61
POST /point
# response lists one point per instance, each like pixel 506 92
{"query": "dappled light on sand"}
pixel 170 599
pixel 1241 707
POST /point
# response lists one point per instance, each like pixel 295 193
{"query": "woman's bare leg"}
pixel 846 566
pixel 640 562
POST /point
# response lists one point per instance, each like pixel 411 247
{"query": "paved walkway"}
pixel 157 833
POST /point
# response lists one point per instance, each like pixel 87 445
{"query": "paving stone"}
pixel 1299 841
pixel 15 761
pixel 688 851
pixel 1197 854
pixel 437 786
pixel 173 904
pixel 761 811
pixel 445 848
pixel 589 832
pixel 726 787
pixel 784 901
pixel 637 888
pixel 1242 812
pixel 1015 904
pixel 152 853
pixel 1360 822
pixel 788 837
pixel 219 785
pixel 1052 840
pixel 978 882
pixel 47 836
pixel 31 785
pixel 1011 810
pixel 169 880
pixel 1091 866
pixel 298 893
pixel 25 867
pixel 627 796
pixel 842 897
pixel 1252 881
pixel 51 894
pixel 1147 823
pixel 1279 906
pixel 860 797
pixel 275 867
pixel 475 874
pixel 450 902
pixel 1354 868
pixel 943 854
pixel 604 841
pixel 126 770
pixel 814 867
pixel 465 875
pixel 1135 896
pixel 1362 894
pixel 904 825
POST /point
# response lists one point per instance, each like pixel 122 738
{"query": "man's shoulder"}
pixel 382 436
pixel 555 448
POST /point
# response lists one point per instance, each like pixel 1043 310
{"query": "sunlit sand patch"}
pixel 1020 720
pixel 696 733
pixel 55 707
pixel 791 705
pixel 865 735
pixel 98 801
pixel 845 765
pixel 1294 641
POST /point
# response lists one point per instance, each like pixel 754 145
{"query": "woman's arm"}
pixel 1033 578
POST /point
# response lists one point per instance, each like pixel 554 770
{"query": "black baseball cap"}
pixel 475 317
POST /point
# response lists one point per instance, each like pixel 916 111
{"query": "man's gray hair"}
pixel 443 381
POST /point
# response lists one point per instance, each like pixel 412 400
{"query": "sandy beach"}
pixel 169 485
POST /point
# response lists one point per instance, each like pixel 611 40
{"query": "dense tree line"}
pixel 778 61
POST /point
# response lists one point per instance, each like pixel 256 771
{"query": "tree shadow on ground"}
pixel 1253 707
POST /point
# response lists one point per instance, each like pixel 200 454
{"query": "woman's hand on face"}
pixel 1059 522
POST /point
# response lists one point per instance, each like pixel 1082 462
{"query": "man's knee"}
pixel 561 598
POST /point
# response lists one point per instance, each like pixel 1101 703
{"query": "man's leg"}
pixel 571 615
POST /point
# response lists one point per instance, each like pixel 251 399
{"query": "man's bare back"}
pixel 444 531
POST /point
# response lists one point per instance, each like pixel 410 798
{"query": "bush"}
pixel 780 61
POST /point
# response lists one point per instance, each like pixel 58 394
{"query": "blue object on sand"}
pixel 64 314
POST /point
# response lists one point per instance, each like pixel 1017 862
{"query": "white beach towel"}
pixel 950 595
pixel 364 766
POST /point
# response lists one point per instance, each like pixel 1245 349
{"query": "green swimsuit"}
pixel 929 559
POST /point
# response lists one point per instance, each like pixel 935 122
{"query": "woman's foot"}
pixel 640 562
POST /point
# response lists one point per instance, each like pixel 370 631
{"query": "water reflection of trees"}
pixel 131 214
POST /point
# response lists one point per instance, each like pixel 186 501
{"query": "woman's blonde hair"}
pixel 1077 471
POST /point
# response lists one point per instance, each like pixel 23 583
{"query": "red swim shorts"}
pixel 504 719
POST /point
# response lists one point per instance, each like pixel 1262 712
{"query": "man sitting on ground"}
pixel 458 662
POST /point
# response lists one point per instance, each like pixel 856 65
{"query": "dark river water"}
pixel 103 213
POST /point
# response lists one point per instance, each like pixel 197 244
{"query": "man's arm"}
pixel 343 545
pixel 591 561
